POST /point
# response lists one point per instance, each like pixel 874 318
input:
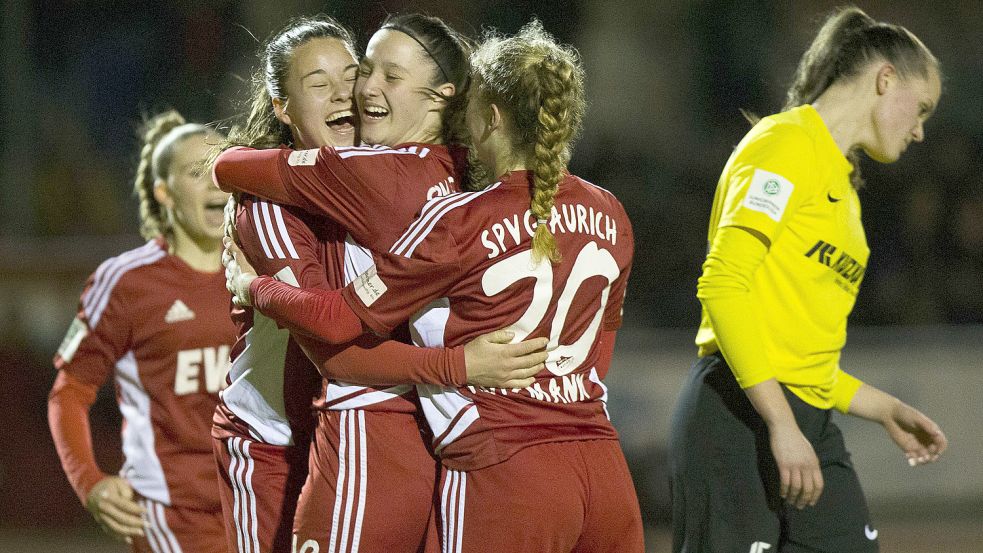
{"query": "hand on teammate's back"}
pixel 798 466
pixel 112 505
pixel 239 274
pixel 493 362
pixel 918 436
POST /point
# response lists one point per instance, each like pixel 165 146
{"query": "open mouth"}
pixel 374 113
pixel 341 120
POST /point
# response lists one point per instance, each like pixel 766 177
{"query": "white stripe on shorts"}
pixel 452 510
pixel 244 506
pixel 352 458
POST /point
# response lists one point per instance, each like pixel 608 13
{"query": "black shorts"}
pixel 725 484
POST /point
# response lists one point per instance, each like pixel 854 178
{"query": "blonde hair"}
pixel 160 135
pixel 539 84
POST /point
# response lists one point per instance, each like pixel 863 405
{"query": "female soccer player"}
pixel 385 504
pixel 156 320
pixel 787 254
pixel 544 461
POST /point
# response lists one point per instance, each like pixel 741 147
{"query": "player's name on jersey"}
pixel 565 218
pixel 560 389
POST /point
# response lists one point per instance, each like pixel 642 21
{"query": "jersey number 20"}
pixel 591 262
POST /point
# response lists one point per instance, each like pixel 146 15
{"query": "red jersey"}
pixel 472 250
pixel 162 330
pixel 373 192
pixel 272 383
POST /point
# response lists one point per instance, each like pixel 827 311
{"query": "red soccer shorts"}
pixel 371 486
pixel 179 530
pixel 259 484
pixel 562 497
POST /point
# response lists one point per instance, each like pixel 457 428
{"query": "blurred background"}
pixel 666 81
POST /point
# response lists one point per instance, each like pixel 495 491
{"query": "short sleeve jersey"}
pixel 471 252
pixel 161 329
pixel 788 181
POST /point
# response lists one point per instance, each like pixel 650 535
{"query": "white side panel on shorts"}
pixel 141 467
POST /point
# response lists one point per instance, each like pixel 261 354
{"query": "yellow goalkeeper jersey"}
pixel 784 307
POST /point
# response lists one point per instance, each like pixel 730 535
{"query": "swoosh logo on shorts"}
pixel 870 532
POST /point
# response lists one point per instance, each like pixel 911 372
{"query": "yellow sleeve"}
pixel 771 176
pixel 844 389
pixel 724 289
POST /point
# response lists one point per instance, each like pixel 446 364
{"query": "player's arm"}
pixel 352 189
pixel 488 360
pixel 754 215
pixel 85 361
pixel 918 436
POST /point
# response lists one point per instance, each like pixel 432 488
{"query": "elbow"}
pixel 220 174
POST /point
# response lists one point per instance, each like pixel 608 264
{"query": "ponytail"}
pixel 846 43
pixel 540 86
pixel 159 134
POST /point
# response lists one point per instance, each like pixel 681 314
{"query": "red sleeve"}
pixel 276 239
pixel 322 314
pixel 605 352
pixel 68 418
pixel 282 241
pixel 97 338
pixel 616 297
pixel 374 361
pixel 353 186
pixel 404 282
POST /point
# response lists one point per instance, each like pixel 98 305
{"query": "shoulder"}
pixel 453 211
pixel 784 134
pixel 117 274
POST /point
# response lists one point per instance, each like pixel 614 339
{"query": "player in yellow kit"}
pixel 757 463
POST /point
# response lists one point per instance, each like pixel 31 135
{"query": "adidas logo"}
pixel 178 312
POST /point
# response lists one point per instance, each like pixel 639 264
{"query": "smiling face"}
pixel 318 107
pixel 393 95
pixel 195 205
pixel 899 114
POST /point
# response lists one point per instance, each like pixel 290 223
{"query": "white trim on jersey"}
pixel 358 259
pixel 447 412
pixel 339 390
pixel 452 502
pixel 596 379
pixel 352 456
pixel 244 504
pixel 255 391
pixel 431 213
pixel 160 537
pixel 278 215
pixel 95 300
pixel 357 152
pixel 141 465
pixel 264 222
pixel 257 221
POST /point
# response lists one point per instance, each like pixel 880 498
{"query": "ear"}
pixel 493 117
pixel 162 194
pixel 445 90
pixel 887 75
pixel 280 109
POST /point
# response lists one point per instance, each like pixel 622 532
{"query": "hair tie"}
pixel 540 221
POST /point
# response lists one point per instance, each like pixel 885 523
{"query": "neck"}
pixel 203 255
pixel 845 112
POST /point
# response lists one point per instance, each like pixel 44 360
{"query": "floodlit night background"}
pixel 666 81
